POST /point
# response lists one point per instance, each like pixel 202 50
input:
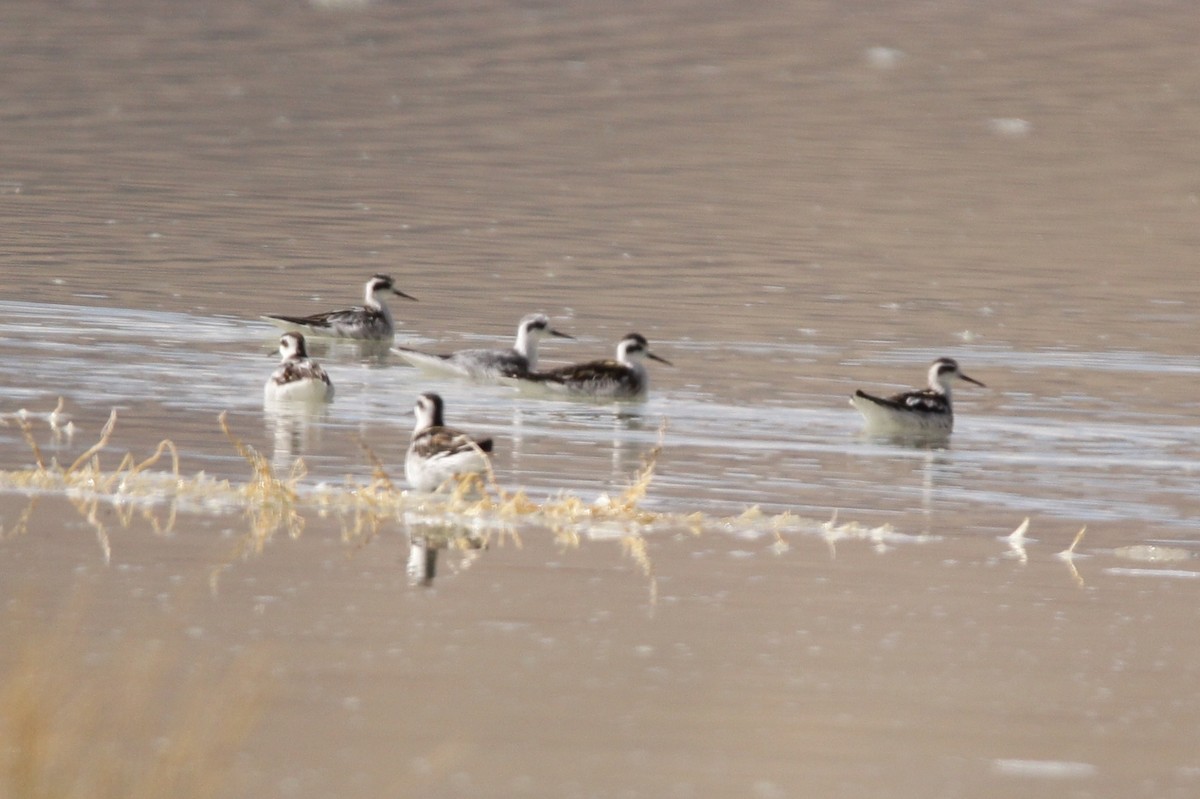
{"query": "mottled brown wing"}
pixel 443 441
pixel 583 372
pixel 924 400
pixel 293 371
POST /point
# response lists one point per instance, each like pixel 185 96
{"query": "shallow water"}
pixel 790 201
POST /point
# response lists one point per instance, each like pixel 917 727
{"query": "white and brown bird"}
pixel 439 455
pixel 298 378
pixel 483 364
pixel 923 411
pixel 370 321
pixel 620 378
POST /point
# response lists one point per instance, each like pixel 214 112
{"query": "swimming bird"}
pixel 298 378
pixel 372 320
pixel 439 454
pixel 517 361
pixel 926 410
pixel 621 378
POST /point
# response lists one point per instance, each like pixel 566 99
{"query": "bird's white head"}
pixel 531 328
pixel 379 286
pixel 429 410
pixel 944 371
pixel 291 345
pixel 634 347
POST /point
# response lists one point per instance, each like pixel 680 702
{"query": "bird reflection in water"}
pixel 294 430
pixel 426 540
pixel 619 429
pixel 367 352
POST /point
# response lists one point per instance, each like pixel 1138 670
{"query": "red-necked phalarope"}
pixel 371 321
pixel 622 378
pixel 297 379
pixel 518 361
pixel 438 454
pixel 927 410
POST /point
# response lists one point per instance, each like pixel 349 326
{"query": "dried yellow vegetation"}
pixel 479 506
pixel 133 722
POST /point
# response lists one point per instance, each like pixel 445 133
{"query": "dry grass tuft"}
pixel 94 450
pixel 134 723
pixel 271 503
pixel 478 504
pixel 380 480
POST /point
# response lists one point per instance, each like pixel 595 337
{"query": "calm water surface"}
pixel 791 201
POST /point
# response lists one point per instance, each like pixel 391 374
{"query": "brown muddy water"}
pixel 790 200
